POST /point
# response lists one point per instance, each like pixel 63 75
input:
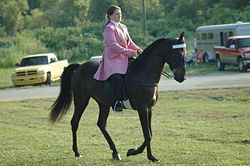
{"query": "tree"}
pixel 12 13
pixel 35 20
pixel 168 6
pixel 232 4
pixel 97 9
pixel 245 14
pixel 223 15
pixel 64 13
pixel 33 4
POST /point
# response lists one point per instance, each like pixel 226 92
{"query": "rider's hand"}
pixel 133 54
pixel 139 51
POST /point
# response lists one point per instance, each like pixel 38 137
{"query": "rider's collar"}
pixel 115 23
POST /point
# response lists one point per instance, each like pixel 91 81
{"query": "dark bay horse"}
pixel 142 89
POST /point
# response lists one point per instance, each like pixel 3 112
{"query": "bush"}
pixel 13 49
pixel 75 44
pixel 90 47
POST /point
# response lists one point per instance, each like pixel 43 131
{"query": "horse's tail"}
pixel 63 101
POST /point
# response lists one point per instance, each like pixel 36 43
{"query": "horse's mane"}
pixel 149 49
pixel 138 62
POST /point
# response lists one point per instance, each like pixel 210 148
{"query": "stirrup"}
pixel 118 107
pixel 126 104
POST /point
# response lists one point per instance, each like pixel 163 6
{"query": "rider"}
pixel 118 48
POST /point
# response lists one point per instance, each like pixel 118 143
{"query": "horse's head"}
pixel 176 61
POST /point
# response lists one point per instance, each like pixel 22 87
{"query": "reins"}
pixel 164 73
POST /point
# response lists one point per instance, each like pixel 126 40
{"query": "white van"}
pixel 216 35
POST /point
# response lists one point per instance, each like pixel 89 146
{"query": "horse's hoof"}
pixel 78 157
pixel 157 161
pixel 116 156
pixel 131 152
pixel 153 159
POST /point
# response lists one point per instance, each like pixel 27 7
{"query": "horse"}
pixel 142 80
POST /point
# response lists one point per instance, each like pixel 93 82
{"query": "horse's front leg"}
pixel 102 123
pixel 145 119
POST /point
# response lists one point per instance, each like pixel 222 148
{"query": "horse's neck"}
pixel 149 72
pixel 154 67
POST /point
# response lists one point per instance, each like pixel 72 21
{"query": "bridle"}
pixel 174 46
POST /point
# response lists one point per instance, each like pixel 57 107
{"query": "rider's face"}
pixel 116 16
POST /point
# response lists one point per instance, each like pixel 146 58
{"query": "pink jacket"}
pixel 116 52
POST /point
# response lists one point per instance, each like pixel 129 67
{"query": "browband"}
pixel 179 46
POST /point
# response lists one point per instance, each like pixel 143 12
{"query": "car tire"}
pixel 241 65
pixel 219 64
pixel 48 81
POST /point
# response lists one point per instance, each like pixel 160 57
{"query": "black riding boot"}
pixel 119 91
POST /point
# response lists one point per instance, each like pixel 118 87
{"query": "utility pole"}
pixel 144 17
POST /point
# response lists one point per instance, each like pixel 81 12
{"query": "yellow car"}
pixel 37 69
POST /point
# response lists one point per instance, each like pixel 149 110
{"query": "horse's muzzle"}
pixel 178 79
pixel 179 76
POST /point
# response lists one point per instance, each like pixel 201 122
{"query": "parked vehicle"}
pixel 39 68
pixel 236 52
pixel 96 58
pixel 216 35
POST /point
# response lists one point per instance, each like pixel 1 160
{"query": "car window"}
pixel 40 60
pixel 52 60
pixel 244 42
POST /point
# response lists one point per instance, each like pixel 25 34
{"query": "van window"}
pixel 210 36
pixel 231 33
pixel 225 36
pixel 204 36
pixel 198 36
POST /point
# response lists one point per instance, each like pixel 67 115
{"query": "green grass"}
pixel 196 69
pixel 197 127
pixel 5 81
pixel 201 68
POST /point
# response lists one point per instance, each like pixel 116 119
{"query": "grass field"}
pixel 198 127
pixel 5 81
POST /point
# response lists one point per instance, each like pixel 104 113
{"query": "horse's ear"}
pixel 181 37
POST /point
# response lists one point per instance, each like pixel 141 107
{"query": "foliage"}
pixel 13 49
pixel 5 81
pixel 197 127
pixel 97 9
pixel 11 12
pixel 72 43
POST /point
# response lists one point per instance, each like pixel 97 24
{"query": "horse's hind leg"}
pixel 80 105
pixel 102 123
